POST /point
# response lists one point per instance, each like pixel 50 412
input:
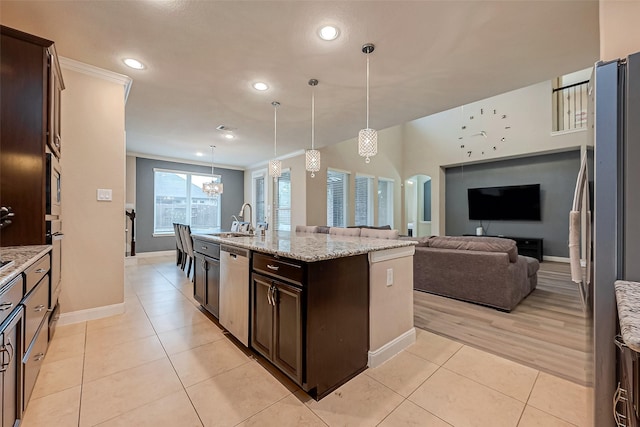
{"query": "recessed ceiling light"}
pixel 229 135
pixel 199 154
pixel 134 63
pixel 260 86
pixel 329 32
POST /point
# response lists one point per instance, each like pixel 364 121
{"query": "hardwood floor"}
pixel 548 330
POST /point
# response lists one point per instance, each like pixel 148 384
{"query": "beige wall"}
pixel 93 157
pixel 619 29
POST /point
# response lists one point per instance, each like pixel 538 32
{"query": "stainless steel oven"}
pixel 54 185
pixel 54 238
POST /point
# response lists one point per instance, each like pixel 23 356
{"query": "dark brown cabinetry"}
pixel 11 324
pixel 30 98
pixel 277 324
pixel 311 319
pixel 206 275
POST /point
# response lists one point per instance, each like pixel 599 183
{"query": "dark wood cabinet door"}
pixel 199 278
pixel 261 315
pixel 213 286
pixel 55 96
pixel 287 345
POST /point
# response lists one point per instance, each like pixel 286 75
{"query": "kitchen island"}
pixel 319 307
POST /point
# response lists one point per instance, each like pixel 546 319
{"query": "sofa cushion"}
pixel 483 244
pixel 379 233
pixel 532 265
pixel 323 229
pixel 422 241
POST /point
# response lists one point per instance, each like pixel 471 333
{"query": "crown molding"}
pixel 81 67
pixel 182 161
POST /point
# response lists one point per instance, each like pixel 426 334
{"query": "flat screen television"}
pixel 512 203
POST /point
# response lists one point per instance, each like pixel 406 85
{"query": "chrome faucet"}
pixel 241 214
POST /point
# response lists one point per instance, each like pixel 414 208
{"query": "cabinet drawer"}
pixel 10 298
pixel 278 267
pixel 36 272
pixel 35 305
pixel 207 248
pixel 33 361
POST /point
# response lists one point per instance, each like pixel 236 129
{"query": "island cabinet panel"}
pixel 261 315
pixel 311 320
pixel 199 278
pixel 206 275
pixel 277 324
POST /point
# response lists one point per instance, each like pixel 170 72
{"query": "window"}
pixel 337 196
pixel 179 198
pixel 385 202
pixel 364 200
pixel 282 202
pixel 259 196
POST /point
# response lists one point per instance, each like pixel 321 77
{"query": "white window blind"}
pixel 337 196
pixel 282 202
pixel 364 200
pixel 259 197
pixel 179 198
pixel 385 202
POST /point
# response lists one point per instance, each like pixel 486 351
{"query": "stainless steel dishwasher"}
pixel 234 291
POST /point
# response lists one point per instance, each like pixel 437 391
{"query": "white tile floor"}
pixel 164 363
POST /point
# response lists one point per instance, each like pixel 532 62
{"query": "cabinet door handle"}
pixel 10 350
pixel 41 270
pixel 6 306
pixel 619 342
pixel 269 295
pixel 273 267
pixel 204 248
pixel 274 295
pixel 38 357
pixel 38 308
pixel 619 396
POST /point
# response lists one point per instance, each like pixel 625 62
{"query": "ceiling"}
pixel 201 58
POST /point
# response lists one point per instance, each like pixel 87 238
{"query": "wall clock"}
pixel 483 131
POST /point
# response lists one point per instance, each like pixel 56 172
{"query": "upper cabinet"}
pixel 30 136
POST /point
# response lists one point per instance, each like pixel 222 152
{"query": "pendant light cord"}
pixel 313 115
pixel 367 91
pixel 275 128
pixel 212 148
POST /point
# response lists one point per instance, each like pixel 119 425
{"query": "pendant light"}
pixel 312 157
pixel 367 138
pixel 212 188
pixel 275 165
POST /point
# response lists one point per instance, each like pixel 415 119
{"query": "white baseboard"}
pixel 555 259
pixel 390 349
pixel 90 314
pixel 155 254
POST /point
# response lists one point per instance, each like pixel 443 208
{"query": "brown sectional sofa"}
pixel 483 270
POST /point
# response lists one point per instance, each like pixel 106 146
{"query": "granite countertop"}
pixel 22 257
pixel 628 299
pixel 308 247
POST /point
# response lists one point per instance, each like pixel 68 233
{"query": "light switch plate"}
pixel 389 276
pixel 105 194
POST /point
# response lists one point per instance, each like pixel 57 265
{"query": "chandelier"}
pixel 212 188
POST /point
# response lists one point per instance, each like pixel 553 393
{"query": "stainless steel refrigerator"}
pixel 617 212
